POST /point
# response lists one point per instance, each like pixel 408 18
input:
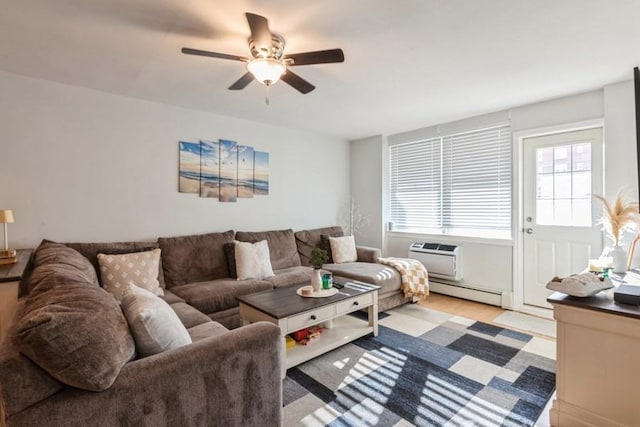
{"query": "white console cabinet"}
pixel 598 362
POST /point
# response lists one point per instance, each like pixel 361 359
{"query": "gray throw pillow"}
pixel 154 325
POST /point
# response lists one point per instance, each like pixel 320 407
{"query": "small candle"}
pixel 595 265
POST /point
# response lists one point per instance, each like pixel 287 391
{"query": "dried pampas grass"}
pixel 622 214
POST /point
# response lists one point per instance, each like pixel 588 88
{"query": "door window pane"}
pixel 581 212
pixel 581 157
pixel 545 160
pixel 544 212
pixel 581 184
pixel 563 185
pixel 561 159
pixel 545 186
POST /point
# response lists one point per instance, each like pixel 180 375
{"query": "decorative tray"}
pixel 322 293
pixel 580 285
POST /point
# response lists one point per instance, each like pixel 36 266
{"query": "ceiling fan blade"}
pixel 242 82
pixel 190 51
pixel 317 57
pixel 297 82
pixel 260 34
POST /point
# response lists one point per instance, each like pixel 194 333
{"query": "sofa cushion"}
pixel 48 276
pixel 197 258
pixel 343 249
pixel 170 297
pixel 282 246
pixel 138 268
pixel 206 330
pixel 56 253
pixel 50 253
pixel 252 260
pixel 153 323
pixel 308 240
pixel 189 316
pixel 325 243
pixel 384 276
pixel 91 251
pixel 290 276
pixel 77 333
pixel 230 255
pixel 216 295
pixel 23 383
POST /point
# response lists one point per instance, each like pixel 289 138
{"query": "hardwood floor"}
pixel 462 307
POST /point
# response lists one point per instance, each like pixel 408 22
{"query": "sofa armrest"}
pixel 367 254
pixel 231 379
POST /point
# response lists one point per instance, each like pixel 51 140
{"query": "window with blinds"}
pixel 456 184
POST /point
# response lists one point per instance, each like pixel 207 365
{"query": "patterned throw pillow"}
pixel 343 249
pixel 140 269
pixel 252 260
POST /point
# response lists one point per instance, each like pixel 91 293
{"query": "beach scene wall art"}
pixel 261 173
pixel 223 170
pixel 189 175
pixel 228 171
pixel 209 169
pixel 245 171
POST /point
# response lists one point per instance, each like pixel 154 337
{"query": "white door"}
pixel 561 172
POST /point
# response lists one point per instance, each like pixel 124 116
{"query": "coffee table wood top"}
pixel 284 302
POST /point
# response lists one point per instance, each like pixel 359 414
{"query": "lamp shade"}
pixel 6 216
pixel 266 70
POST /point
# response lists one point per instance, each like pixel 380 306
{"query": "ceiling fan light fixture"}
pixel 266 70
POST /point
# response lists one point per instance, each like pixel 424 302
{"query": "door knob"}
pixel 528 230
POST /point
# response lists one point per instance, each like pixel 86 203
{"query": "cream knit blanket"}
pixel 415 278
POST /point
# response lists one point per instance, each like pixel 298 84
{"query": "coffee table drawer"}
pixel 354 304
pixel 310 318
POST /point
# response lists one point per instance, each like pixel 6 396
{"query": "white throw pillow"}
pixel 253 260
pixel 343 249
pixel 153 323
pixel 140 269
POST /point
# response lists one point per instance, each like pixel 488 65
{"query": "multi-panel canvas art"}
pixel 223 170
pixel 261 173
pixel 228 170
pixel 210 169
pixel 245 171
pixel 189 167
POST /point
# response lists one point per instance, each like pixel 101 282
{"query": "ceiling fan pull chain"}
pixel 266 98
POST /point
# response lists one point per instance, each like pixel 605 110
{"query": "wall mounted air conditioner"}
pixel 441 261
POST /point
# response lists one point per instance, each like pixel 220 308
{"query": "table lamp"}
pixel 6 217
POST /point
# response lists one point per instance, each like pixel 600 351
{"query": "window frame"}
pixel 498 185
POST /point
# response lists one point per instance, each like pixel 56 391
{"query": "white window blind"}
pixel 455 184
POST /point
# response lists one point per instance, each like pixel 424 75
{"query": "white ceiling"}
pixel 409 63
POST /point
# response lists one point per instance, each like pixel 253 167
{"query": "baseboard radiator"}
pixel 444 264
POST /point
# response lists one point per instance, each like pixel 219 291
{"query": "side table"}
pixel 10 276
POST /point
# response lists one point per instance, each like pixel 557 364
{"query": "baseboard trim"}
pixel 467 293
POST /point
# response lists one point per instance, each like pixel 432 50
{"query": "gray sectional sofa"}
pixel 230 375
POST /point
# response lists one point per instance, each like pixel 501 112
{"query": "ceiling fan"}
pixel 268 63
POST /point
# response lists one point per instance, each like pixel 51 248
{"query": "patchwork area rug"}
pixel 521 321
pixel 425 368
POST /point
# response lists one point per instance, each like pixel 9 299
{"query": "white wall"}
pixel 489 265
pixel 620 147
pixel 82 165
pixel 620 138
pixel 367 188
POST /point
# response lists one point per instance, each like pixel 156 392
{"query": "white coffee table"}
pixel 291 312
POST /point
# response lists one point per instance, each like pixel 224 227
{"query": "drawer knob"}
pixel 313 317
pixel 355 303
